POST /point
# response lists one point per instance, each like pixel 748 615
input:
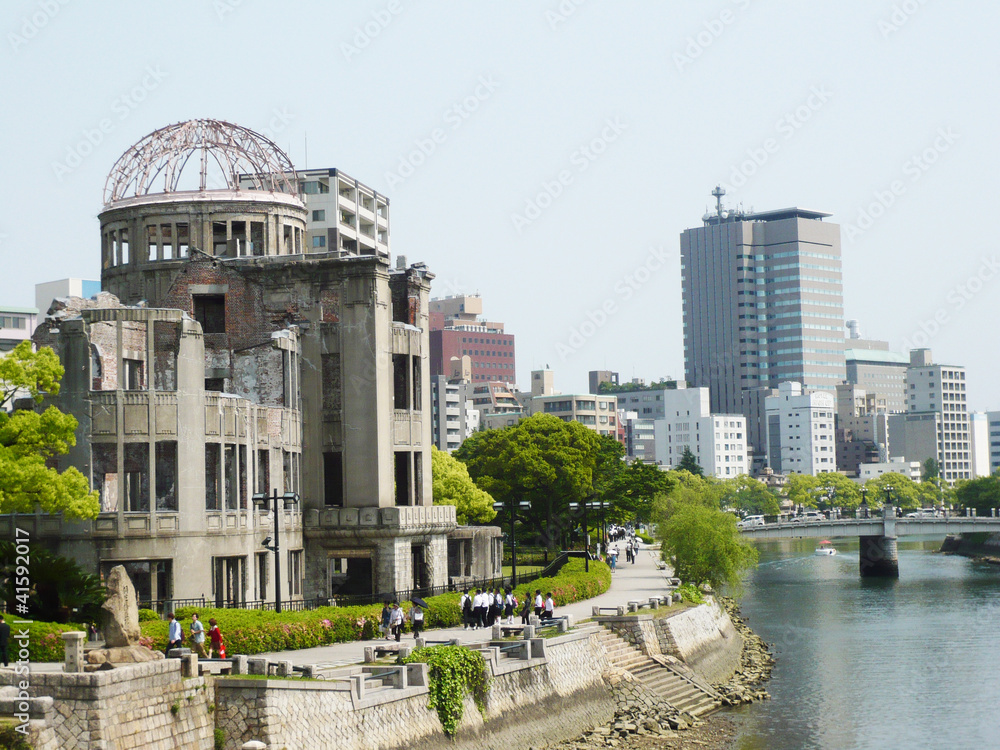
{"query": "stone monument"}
pixel 121 625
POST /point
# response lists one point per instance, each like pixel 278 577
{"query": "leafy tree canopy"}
pixel 634 487
pixel 904 491
pixel 703 545
pixel 982 494
pixel 29 441
pixel 60 590
pixel 542 460
pixel 453 486
pixel 749 496
pixel 931 469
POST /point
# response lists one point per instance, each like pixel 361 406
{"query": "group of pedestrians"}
pixel 175 637
pixel 485 607
pixel 631 545
pixel 394 618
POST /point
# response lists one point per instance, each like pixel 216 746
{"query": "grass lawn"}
pixel 522 569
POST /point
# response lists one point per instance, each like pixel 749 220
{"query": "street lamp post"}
pixel 888 498
pixel 864 502
pixel 512 508
pixel 583 505
pixel 288 498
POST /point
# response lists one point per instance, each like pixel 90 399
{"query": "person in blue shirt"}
pixel 175 635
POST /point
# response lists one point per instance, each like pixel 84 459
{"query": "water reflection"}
pixel 875 663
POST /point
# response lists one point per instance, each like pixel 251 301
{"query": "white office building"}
pixel 898 465
pixel 800 430
pixel 718 441
pixel 979 443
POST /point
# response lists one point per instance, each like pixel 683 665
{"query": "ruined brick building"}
pixel 225 358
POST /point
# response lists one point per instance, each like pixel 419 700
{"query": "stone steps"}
pixel 679 692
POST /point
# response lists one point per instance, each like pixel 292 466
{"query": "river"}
pixel 874 663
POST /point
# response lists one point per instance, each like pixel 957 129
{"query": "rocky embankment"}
pixel 642 719
pixel 756 663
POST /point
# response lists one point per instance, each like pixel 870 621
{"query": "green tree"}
pixel 982 494
pixel 904 491
pixel 933 492
pixel 931 469
pixel 689 463
pixel 749 496
pixel 30 441
pixel 541 459
pixel 704 545
pixel 452 485
pixel 634 488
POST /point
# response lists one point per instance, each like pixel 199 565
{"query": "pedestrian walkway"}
pixel 636 581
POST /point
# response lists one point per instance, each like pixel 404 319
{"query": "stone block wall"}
pixel 703 637
pixel 148 706
pixel 548 700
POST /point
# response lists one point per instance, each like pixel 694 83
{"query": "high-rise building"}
pixel 458 329
pixel 717 441
pixel 453 416
pixel 871 365
pixel 800 431
pixel 763 303
pixel 639 436
pixel 862 428
pixel 979 444
pixel 994 422
pixel 937 390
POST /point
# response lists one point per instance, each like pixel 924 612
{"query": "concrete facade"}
pixel 17 324
pixel 940 390
pixel 800 431
pixel 871 366
pixel 453 416
pixel 718 441
pixel 458 330
pixel 259 368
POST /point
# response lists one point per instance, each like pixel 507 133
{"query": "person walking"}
pixel 477 609
pixel 175 633
pixel 198 636
pixel 396 621
pixel 612 557
pixel 386 616
pixel 5 640
pixel 216 647
pixel 539 604
pixel 526 607
pixel 417 618
pixel 635 550
pixel 550 608
pixel 509 602
pixel 466 604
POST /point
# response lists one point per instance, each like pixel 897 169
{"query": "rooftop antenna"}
pixel 718 192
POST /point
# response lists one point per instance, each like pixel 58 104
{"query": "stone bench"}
pixel 374 652
pixel 499 631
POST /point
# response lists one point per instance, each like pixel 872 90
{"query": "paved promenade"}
pixel 631 581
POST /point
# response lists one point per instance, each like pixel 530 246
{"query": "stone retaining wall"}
pixel 703 637
pixel 148 706
pixel 547 700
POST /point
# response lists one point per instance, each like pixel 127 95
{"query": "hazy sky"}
pixel 548 154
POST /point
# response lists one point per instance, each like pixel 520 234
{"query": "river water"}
pixel 868 663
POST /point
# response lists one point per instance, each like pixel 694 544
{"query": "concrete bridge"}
pixel 877 534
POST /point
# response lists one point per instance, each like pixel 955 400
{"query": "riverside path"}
pixel 631 581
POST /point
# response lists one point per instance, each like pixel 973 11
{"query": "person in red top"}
pixel 216 647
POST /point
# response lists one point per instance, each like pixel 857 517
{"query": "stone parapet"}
pixel 380 522
pixel 145 705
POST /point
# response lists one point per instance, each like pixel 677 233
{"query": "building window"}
pixel 210 312
pixel 319 215
pixel 295 572
pixel 318 241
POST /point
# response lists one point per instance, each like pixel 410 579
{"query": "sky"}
pixel 547 155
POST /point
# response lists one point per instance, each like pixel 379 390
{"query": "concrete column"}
pixel 878 557
pixel 73 649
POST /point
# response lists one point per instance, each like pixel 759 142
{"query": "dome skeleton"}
pixel 239 152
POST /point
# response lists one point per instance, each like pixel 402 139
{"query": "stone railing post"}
pixel 73 648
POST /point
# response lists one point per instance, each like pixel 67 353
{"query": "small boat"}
pixel 826 548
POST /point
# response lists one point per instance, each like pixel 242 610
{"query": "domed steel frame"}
pixel 164 153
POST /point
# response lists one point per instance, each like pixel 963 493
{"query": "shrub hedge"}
pixel 247 631
pixel 45 641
